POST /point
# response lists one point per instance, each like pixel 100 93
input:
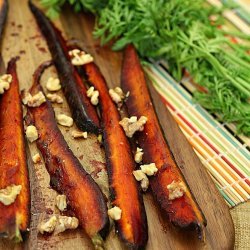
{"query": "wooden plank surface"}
pixel 22 37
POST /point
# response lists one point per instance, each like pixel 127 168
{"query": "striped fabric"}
pixel 226 157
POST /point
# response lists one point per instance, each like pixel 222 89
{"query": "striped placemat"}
pixel 224 155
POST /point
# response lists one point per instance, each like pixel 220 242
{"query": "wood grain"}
pixel 21 36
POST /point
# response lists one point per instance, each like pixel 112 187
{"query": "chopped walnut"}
pixel 117 95
pixel 144 184
pixel 64 223
pixel 93 95
pixel 79 134
pixel 8 195
pixel 58 224
pixel 35 100
pixel 149 169
pixel 140 176
pixel 31 133
pixel 176 190
pixel 53 84
pixel 64 120
pixel 115 213
pixel 138 155
pixel 131 125
pixel 26 96
pixel 5 81
pixel 79 57
pixel 55 98
pixel 36 158
pixel 48 226
pixel 61 202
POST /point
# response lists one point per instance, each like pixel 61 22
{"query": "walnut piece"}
pixel 5 81
pixel 64 223
pixel 31 133
pixel 58 224
pixel 61 202
pixel 117 95
pixel 79 134
pixel 36 158
pixel 55 98
pixel 131 125
pixel 144 184
pixel 48 226
pixel 35 100
pixel 93 95
pixel 8 195
pixel 140 176
pixel 149 169
pixel 176 190
pixel 115 213
pixel 53 84
pixel 138 155
pixel 64 120
pixel 79 57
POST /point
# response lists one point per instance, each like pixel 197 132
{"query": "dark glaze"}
pixel 13 166
pixel 83 112
pixel 67 175
pixel 132 227
pixel 183 212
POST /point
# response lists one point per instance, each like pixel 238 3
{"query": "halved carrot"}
pixel 183 211
pixel 132 227
pixel 14 218
pixel 83 112
pixel 67 175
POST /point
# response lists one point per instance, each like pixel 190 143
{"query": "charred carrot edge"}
pixel 67 175
pixel 183 212
pixel 3 13
pixel 15 218
pixel 83 112
pixel 132 227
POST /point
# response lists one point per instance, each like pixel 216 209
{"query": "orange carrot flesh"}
pixel 184 211
pixel 132 227
pixel 14 218
pixel 67 175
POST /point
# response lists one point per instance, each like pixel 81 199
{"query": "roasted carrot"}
pixel 183 212
pixel 14 218
pixel 3 13
pixel 67 175
pixel 83 112
pixel 125 194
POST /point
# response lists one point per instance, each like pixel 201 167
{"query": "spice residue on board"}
pixel 98 167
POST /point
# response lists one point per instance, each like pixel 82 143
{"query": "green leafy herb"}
pixel 180 32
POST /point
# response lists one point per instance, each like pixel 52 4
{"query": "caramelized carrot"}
pixel 183 212
pixel 83 112
pixel 67 175
pixel 132 227
pixel 14 218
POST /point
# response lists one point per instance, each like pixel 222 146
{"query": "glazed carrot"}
pixel 83 112
pixel 125 194
pixel 14 218
pixel 183 212
pixel 67 175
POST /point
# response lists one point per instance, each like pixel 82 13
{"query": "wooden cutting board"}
pixel 22 37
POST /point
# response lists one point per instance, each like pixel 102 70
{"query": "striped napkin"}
pixel 224 155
